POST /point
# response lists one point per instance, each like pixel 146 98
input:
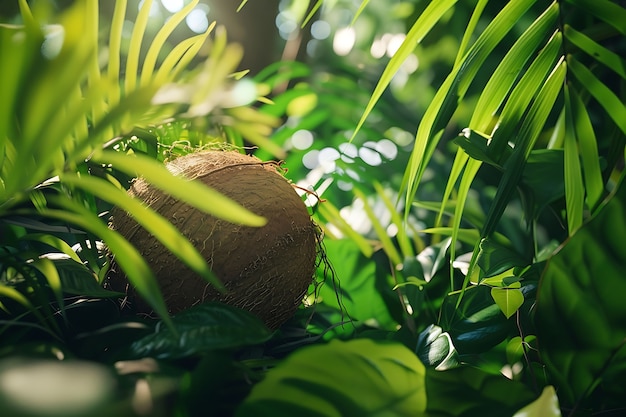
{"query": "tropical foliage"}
pixel 471 268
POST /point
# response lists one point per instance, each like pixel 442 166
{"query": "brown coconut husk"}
pixel 266 270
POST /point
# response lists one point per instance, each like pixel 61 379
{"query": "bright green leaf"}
pixel 508 299
pixel 356 378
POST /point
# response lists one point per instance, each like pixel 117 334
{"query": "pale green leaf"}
pixel 386 242
pixel 157 43
pixel 134 48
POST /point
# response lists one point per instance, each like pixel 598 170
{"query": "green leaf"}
pixel 605 10
pixel 597 51
pixel 495 257
pixel 416 34
pixel 470 392
pixel 356 275
pixel 581 314
pixel 606 98
pixel 192 192
pixel 201 328
pixel 455 86
pixel 477 324
pixel 78 279
pixel 528 133
pixel 513 64
pixel 547 405
pixel 574 188
pixel 508 299
pixel 356 378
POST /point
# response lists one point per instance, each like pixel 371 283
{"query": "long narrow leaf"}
pixel 136 38
pixel 454 88
pixel 469 30
pixel 416 34
pixel 574 188
pixel 605 10
pixel 597 51
pixel 383 237
pixel 529 131
pixel 587 148
pixel 115 43
pixel 506 74
pixel 603 94
pixel 159 40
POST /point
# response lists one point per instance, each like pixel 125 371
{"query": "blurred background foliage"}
pixel 457 254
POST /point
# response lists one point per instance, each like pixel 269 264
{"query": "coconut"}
pixel 265 270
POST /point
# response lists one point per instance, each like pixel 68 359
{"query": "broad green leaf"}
pixel 606 98
pixel 355 378
pixel 201 328
pixel 597 51
pixel 433 13
pixel 469 392
pixel 356 275
pixel 574 188
pixel 192 192
pixel 495 257
pixel 508 299
pixel 547 405
pixel 49 271
pixel 581 314
pixel 605 10
pixel 153 222
pixel 543 180
pixel 476 324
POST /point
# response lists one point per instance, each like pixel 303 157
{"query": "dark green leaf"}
pixel 470 392
pixel 581 314
pixel 495 258
pixel 78 279
pixel 356 378
pixel 201 328
pixel 605 10
pixel 477 324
